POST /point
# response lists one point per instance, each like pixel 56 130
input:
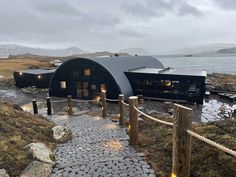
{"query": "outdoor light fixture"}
pixel 173 175
pixel 39 77
pixel 20 73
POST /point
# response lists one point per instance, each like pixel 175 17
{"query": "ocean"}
pixel 211 64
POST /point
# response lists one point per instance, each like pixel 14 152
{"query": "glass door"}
pixel 79 89
pixel 85 86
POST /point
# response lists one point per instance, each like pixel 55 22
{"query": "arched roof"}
pixel 118 65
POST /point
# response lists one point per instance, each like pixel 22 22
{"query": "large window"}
pixel 87 72
pixel 63 84
pixel 103 87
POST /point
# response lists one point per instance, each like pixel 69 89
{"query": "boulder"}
pixel 61 133
pixel 37 169
pixel 3 173
pixel 40 152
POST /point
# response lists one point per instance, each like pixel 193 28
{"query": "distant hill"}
pixel 135 51
pixel 227 50
pixel 12 49
pixel 201 49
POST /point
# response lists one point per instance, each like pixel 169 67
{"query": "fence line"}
pixel 212 143
pixel 84 101
pixel 58 101
pixel 153 118
pixel 124 103
pixel 182 132
pixel 112 100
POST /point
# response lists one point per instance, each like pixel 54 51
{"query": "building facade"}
pixel 133 75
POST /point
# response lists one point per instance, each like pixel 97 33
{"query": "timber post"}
pixel 69 105
pixel 49 106
pixel 35 106
pixel 104 104
pixel 121 109
pixel 133 121
pixel 181 141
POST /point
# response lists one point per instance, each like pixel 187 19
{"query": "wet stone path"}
pixel 99 147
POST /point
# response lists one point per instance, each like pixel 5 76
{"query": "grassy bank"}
pixel 8 66
pixel 156 143
pixel 17 129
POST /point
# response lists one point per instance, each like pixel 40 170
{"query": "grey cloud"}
pixel 158 8
pixel 226 4
pixel 54 6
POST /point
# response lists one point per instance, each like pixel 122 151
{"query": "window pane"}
pixel 93 87
pixel 63 84
pixel 103 87
pixel 87 72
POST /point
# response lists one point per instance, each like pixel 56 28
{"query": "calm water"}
pixel 219 64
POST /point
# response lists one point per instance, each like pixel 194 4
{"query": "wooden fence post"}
pixel 69 105
pixel 49 106
pixel 35 106
pixel 133 121
pixel 104 104
pixel 181 141
pixel 122 108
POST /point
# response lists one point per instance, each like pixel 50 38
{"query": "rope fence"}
pixel 212 143
pixel 112 100
pixel 58 101
pixel 182 125
pixel 153 118
pixel 84 101
pixel 124 103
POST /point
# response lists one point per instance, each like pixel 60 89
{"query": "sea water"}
pixel 211 64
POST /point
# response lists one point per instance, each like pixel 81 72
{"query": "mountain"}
pixel 135 51
pixel 12 49
pixel 201 49
pixel 227 50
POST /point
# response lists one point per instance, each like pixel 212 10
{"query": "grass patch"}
pixel 155 140
pixel 17 129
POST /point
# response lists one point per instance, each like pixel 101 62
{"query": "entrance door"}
pixel 82 89
pixel 79 89
pixel 85 86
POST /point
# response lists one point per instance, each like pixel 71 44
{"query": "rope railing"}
pixel 58 101
pixel 124 103
pixel 112 100
pixel 84 101
pixel 153 118
pixel 212 143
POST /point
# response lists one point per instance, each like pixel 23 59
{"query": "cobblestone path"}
pixel 99 147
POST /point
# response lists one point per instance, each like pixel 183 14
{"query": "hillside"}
pixel 227 50
pixel 17 129
pixel 12 49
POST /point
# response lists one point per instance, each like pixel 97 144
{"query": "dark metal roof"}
pixel 38 71
pixel 118 65
pixel 171 71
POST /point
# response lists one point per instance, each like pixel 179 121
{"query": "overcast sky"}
pixel 157 25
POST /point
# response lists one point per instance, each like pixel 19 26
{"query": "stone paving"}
pixel 99 147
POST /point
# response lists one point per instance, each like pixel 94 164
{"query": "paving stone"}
pixel 99 147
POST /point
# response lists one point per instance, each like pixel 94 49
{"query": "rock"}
pixel 3 173
pixel 40 152
pixel 61 133
pixel 37 169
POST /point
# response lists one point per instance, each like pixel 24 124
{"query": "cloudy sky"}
pixel 157 25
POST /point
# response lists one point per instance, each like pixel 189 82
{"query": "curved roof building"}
pixel 85 78
pixel 132 75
